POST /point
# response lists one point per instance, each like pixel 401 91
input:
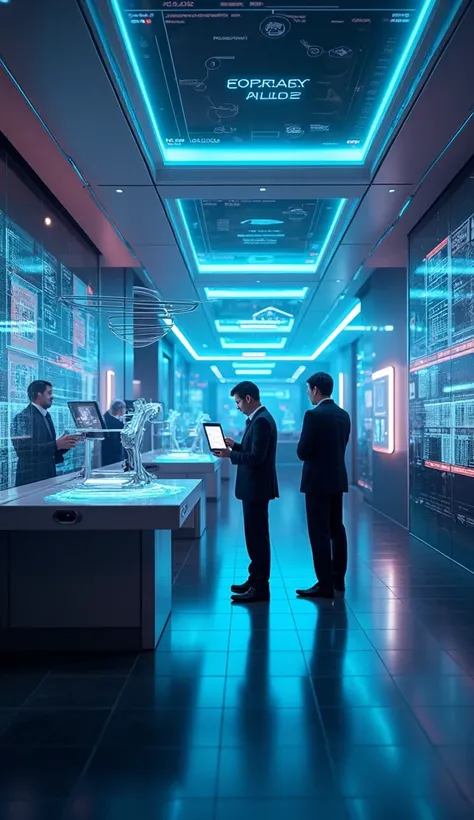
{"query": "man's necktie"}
pixel 247 422
pixel 50 425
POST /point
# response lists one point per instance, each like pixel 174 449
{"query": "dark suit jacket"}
pixel 35 446
pixel 322 447
pixel 112 450
pixel 255 459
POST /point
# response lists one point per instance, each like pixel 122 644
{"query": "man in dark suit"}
pixel 255 486
pixel 34 437
pixel 322 447
pixel 112 450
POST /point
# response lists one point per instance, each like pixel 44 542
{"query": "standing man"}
pixel 255 486
pixel 112 450
pixel 34 437
pixel 322 447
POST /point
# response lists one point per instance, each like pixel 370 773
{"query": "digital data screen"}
pixel 442 374
pixel 267 236
pixel 245 82
pixel 40 338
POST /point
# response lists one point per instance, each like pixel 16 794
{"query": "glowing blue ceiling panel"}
pixel 243 83
pixel 255 235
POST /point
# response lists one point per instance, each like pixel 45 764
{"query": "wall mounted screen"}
pixel 442 373
pixel 248 83
pixel 383 408
pixel 266 236
pixel 40 338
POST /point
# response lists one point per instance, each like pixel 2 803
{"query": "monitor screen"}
pixel 441 390
pixel 250 80
pixel 86 415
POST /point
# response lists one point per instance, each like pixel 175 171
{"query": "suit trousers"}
pixel 257 538
pixel 325 527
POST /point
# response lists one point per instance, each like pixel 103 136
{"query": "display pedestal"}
pixel 203 466
pixel 88 575
pixel 225 469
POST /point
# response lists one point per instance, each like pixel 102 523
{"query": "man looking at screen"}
pixel 256 484
pixel 322 447
pixel 34 437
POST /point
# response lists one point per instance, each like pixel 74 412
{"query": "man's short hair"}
pixel 244 389
pixel 36 387
pixel 116 405
pixel 323 381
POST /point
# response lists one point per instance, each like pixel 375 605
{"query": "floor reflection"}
pixel 361 709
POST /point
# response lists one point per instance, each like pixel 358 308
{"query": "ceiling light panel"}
pixel 254 236
pixel 258 98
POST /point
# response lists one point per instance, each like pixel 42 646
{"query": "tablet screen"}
pixel 215 436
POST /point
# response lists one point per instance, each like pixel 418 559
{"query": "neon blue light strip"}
pixel 253 345
pixel 203 267
pixel 138 75
pixel 253 372
pixel 246 361
pixel 255 293
pixel 284 156
pixel 255 326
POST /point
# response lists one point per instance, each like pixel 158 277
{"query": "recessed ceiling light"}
pixel 391 190
pixel 48 221
pixel 119 191
pixel 263 189
pixel 204 345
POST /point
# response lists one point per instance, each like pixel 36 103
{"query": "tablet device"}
pixel 215 436
pixel 87 417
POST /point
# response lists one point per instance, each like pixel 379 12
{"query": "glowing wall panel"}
pixel 441 392
pixel 247 84
pixel 40 338
pixel 383 408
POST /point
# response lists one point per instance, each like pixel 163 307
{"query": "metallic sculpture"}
pixel 132 438
pixel 140 319
pixel 173 417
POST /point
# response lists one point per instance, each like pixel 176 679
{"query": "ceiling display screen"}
pixel 442 374
pixel 246 83
pixel 266 236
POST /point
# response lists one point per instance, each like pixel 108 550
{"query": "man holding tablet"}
pixel 255 486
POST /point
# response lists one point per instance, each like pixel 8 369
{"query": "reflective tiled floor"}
pixel 361 710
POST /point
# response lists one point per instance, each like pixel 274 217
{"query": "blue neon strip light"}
pixel 255 293
pixel 255 326
pixel 253 345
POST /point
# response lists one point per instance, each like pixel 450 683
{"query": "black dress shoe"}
pixel 315 591
pixel 252 596
pixel 240 588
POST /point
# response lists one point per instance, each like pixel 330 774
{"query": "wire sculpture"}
pixel 140 319
pixel 132 438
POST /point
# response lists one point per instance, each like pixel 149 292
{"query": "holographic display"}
pixel 266 236
pixel 40 338
pixel 243 82
pixel 442 374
